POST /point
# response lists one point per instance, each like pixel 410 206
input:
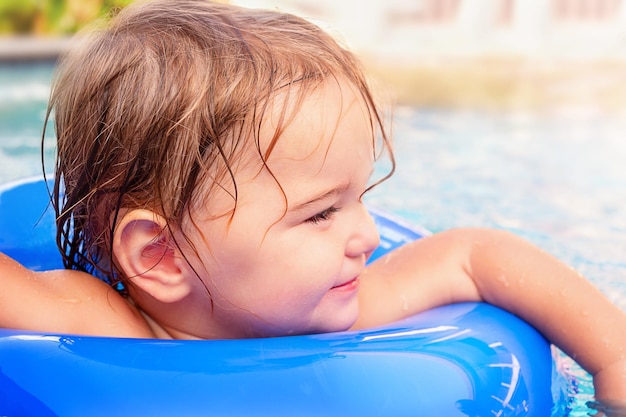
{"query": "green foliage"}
pixel 18 16
pixel 52 17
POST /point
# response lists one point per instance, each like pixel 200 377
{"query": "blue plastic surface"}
pixel 461 360
pixel 27 228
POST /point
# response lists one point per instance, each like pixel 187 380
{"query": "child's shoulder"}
pixel 64 301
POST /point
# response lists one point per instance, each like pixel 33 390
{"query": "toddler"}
pixel 210 172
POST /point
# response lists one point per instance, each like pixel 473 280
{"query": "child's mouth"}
pixel 347 286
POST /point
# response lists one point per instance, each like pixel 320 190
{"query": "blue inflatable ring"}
pixel 461 360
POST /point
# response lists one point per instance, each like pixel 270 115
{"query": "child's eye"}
pixel 323 215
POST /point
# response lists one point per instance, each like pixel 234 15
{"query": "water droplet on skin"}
pixel 606 342
pixel 72 300
pixel 503 280
pixel 405 303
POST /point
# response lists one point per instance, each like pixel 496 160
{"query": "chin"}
pixel 340 321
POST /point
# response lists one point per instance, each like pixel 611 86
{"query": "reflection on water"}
pixel 557 179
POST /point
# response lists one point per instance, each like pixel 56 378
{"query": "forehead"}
pixel 300 123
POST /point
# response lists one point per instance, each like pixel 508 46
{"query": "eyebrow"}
pixel 333 192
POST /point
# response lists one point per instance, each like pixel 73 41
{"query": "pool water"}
pixel 24 91
pixel 557 179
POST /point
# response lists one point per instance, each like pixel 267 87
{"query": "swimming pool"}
pixel 557 179
pixel 24 90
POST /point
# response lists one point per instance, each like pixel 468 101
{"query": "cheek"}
pixel 315 263
pixel 284 267
pixel 297 267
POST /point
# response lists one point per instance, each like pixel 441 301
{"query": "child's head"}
pixel 162 111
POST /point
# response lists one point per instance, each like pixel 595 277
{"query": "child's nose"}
pixel 365 238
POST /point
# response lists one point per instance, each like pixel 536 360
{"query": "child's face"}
pixel 276 272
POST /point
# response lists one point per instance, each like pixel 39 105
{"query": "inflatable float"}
pixel 461 360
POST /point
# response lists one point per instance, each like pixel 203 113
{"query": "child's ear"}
pixel 146 253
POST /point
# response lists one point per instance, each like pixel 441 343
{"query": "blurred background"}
pixel 484 53
pixel 51 17
pixel 479 53
pixel 508 113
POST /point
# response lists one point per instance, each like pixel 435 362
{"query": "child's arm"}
pixel 64 301
pixel 504 270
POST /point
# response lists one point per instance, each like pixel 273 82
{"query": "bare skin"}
pixel 69 302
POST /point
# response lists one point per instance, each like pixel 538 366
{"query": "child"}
pixel 213 161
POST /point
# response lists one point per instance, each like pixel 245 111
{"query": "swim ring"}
pixel 467 359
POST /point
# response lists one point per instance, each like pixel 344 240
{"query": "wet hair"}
pixel 161 101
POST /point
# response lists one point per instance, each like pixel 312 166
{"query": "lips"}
pixel 347 286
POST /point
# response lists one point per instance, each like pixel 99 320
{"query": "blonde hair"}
pixel 164 97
